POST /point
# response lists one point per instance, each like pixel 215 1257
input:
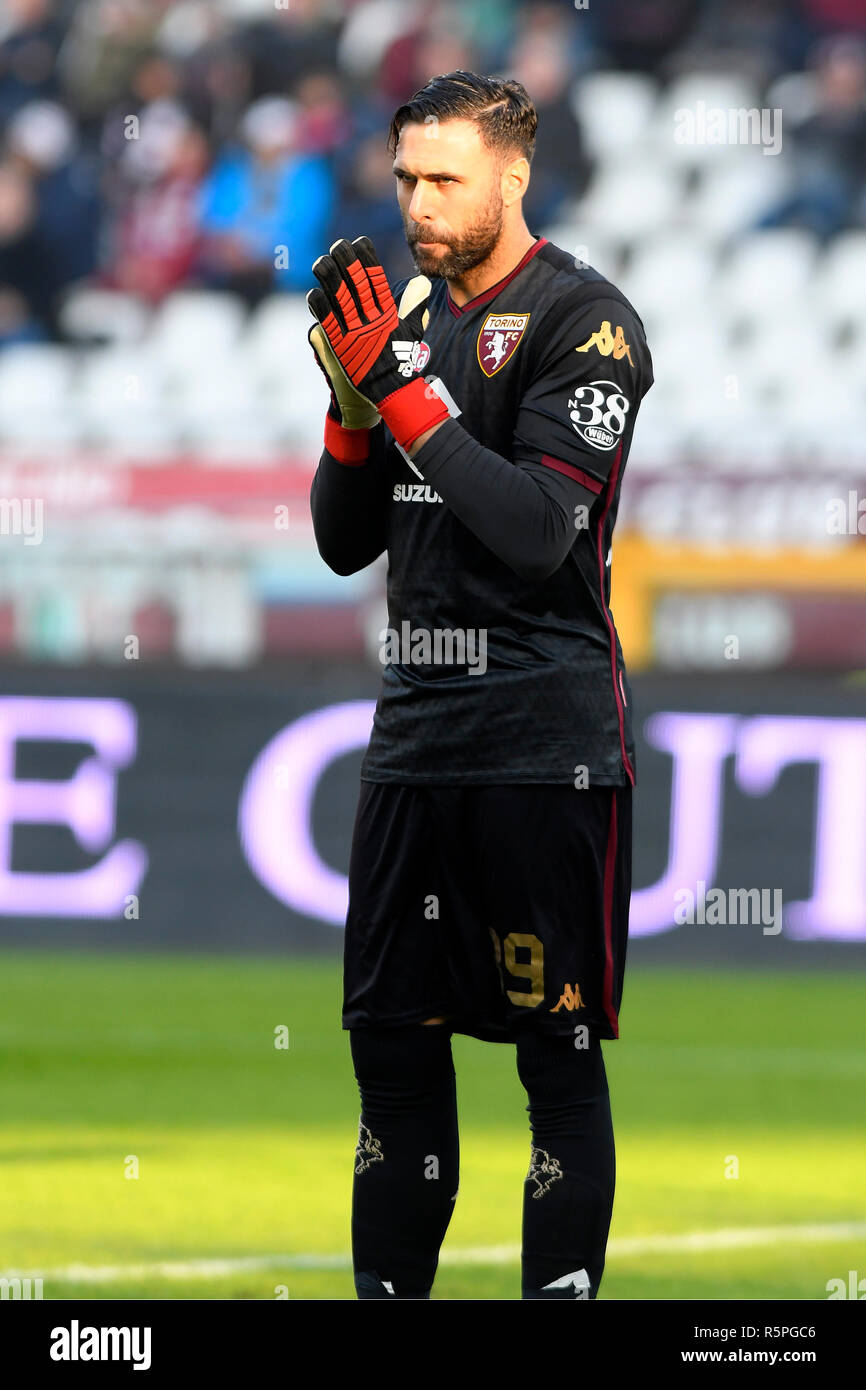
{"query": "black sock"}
pixel 568 1194
pixel 407 1159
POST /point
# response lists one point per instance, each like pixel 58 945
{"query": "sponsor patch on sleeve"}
pixel 598 413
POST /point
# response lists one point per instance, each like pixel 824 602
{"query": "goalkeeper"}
pixel 480 420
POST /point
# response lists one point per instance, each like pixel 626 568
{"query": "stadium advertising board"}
pixel 216 811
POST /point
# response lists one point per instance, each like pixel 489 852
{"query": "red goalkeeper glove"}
pixel 374 346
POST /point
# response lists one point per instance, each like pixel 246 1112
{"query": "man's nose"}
pixel 419 207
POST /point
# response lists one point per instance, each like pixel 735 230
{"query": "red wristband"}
pixel 411 410
pixel 347 446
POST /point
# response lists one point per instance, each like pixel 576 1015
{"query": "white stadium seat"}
pixel 219 411
pixel 669 271
pixel 696 398
pixel 369 30
pixel 840 281
pixel 292 390
pixel 195 327
pixel 295 404
pixel 98 315
pixel 778 347
pixel 614 110
pixel 630 199
pixel 36 403
pixel 767 273
pixel 691 350
pixel 661 435
pixel 276 335
pixel 724 89
pixel 589 245
pixel 122 397
pixel 825 418
pixel 849 363
pixel 735 194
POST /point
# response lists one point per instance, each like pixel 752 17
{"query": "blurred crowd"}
pixel 152 144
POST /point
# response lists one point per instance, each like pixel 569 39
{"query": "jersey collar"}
pixel 486 295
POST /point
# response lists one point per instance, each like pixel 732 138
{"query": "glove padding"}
pixel 413 311
pixel 348 407
pixel 375 347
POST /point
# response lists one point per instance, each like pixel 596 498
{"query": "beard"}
pixel 464 252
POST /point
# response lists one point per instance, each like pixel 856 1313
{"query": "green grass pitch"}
pixel 244 1150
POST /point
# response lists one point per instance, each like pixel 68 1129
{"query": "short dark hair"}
pixel 502 110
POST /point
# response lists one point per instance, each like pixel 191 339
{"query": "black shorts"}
pixel 500 907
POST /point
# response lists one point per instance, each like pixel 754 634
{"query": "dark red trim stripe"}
pixel 486 295
pixel 611 489
pixel 571 472
pixel 609 876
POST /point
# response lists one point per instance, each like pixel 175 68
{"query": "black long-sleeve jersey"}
pixel 501 662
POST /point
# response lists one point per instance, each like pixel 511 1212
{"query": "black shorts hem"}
pixel 360 1018
pixel 484 1032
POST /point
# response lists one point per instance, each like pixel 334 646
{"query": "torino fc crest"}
pixel 498 339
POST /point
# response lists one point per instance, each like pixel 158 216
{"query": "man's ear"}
pixel 515 180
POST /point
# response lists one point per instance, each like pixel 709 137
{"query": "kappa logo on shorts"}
pixel 544 1171
pixel 569 999
pixel 498 340
pixel 368 1151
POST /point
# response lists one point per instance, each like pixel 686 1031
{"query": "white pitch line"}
pixel 735 1238
pixel 690 1242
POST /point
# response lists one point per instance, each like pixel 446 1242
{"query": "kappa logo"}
pixel 412 356
pixel 368 1151
pixel 544 1171
pixel 569 999
pixel 498 340
pixel 608 343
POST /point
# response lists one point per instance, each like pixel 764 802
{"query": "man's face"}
pixel 450 196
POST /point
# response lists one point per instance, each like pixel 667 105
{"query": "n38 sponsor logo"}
pixel 598 413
